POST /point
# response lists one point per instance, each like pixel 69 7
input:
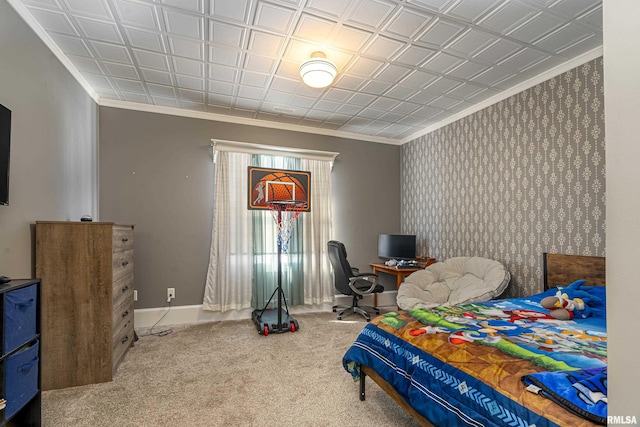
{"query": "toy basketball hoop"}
pixel 284 214
pixel 286 194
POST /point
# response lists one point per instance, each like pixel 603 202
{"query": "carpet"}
pixel 226 374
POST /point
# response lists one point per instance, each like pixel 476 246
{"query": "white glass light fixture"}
pixel 318 71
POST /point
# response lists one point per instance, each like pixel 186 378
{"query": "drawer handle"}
pixel 125 263
pixel 125 339
pixel 125 314
pixel 25 304
pixel 125 239
pixel 27 366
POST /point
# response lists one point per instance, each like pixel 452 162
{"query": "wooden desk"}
pixel 400 273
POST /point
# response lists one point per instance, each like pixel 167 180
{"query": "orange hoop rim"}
pixel 287 205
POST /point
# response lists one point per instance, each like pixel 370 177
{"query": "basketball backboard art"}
pixel 267 185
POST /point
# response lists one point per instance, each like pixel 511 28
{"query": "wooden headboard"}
pixel 562 270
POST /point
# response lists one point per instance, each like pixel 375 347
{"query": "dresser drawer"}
pixel 122 238
pixel 122 287
pixel 122 263
pixel 19 312
pixel 122 314
pixel 121 343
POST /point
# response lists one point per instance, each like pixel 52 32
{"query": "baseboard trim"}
pixel 189 314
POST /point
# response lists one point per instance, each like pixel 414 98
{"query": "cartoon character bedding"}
pixel 503 362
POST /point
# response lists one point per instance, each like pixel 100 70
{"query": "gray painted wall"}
pixel 516 179
pixel 53 142
pixel 156 172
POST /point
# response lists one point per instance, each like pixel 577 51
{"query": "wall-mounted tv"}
pixel 5 145
pixel 397 246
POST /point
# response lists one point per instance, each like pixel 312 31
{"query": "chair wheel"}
pixel 339 317
pixel 334 310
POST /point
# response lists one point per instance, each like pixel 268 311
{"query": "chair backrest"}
pixel 341 269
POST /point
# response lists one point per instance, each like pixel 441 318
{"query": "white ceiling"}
pixel 404 66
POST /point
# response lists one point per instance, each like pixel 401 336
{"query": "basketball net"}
pixel 284 214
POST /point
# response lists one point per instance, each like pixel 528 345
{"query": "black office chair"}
pixel 350 282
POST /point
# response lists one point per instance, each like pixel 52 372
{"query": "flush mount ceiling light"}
pixel 318 71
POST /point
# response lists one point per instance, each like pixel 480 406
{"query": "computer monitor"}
pixel 397 246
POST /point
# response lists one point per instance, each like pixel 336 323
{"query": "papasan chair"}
pixel 456 280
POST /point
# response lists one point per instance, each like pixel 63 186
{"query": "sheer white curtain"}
pixel 228 284
pixel 230 273
pixel 318 280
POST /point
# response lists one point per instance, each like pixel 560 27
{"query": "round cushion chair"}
pixel 457 280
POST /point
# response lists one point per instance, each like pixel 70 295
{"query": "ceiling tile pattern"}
pixel 403 65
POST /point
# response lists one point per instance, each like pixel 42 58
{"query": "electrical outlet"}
pixel 171 294
pixel 135 295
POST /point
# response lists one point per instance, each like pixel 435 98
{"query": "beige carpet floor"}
pixel 226 374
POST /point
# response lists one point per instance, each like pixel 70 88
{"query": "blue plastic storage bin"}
pixel 21 378
pixel 19 317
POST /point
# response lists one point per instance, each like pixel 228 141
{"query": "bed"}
pixel 501 362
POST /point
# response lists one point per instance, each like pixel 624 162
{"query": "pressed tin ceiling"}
pixel 404 67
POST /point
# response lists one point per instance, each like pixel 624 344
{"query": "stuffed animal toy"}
pixel 572 301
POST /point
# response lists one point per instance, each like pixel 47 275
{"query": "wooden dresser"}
pixel 86 270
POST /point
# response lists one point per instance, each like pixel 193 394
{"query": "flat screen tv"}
pixel 5 145
pixel 397 246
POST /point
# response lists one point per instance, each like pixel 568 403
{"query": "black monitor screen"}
pixel 5 143
pixel 397 246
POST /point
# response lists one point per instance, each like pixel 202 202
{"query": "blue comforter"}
pixel 503 362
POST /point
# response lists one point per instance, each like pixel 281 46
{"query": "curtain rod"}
pixel 251 148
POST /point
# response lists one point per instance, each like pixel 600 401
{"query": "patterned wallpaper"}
pixel 519 178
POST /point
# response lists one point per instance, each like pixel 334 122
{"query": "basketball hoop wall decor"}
pixel 267 185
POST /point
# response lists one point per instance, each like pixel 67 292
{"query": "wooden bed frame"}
pixel 562 270
pixel 559 270
pixel 366 371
